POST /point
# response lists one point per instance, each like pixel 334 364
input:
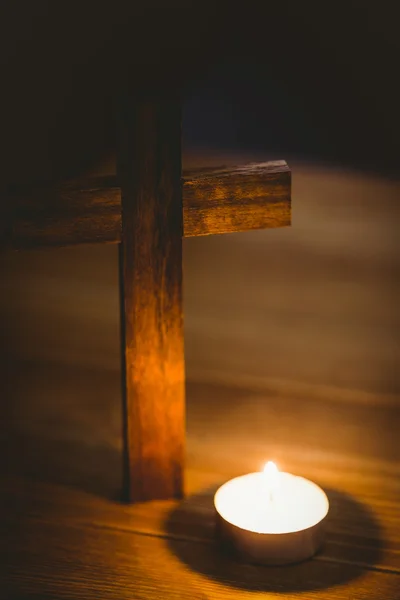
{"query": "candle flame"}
pixel 271 478
pixel 270 469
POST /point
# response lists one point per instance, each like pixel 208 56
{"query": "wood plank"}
pixel 225 200
pixel 151 295
pixel 215 200
pixel 64 214
pixel 44 558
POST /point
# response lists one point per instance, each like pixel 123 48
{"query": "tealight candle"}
pixel 271 517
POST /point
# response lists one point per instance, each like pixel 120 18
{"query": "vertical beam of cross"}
pixel 143 213
pixel 149 173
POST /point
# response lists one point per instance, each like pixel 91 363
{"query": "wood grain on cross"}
pixel 147 208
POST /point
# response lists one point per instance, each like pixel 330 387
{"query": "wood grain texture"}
pixel 63 214
pixel 215 200
pixel 151 295
pixel 224 200
pixel 92 562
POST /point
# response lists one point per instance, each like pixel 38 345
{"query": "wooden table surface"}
pixel 291 340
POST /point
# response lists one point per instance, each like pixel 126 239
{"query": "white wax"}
pixel 296 503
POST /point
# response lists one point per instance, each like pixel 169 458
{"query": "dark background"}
pixel 315 79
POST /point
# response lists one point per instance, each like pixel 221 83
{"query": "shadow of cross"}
pixel 147 209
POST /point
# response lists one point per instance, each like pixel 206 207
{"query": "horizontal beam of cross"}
pixel 219 200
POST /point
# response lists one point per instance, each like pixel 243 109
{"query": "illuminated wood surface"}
pixel 153 366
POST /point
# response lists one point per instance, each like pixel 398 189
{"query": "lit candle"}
pixel 271 517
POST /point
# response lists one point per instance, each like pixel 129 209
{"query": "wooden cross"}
pixel 147 209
